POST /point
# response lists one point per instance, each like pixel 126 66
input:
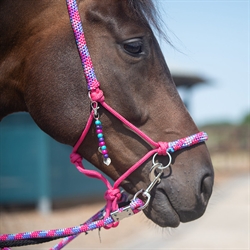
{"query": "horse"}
pixel 41 73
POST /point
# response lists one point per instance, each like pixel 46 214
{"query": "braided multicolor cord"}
pixel 82 46
pixel 187 142
pixel 134 205
pixel 6 240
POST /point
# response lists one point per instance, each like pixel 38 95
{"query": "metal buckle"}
pixel 120 214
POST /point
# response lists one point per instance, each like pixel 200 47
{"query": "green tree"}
pixel 246 119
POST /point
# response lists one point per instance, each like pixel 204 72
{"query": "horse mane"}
pixel 146 11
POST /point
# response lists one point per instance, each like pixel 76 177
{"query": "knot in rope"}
pixel 97 95
pixel 93 83
pixel 162 149
pixel 75 158
pixel 112 194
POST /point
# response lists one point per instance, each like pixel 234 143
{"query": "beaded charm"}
pixel 102 144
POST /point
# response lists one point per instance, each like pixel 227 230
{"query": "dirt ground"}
pixel 224 226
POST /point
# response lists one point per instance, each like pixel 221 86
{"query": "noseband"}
pixel 96 96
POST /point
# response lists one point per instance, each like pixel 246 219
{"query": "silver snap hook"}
pixel 154 173
pixel 95 107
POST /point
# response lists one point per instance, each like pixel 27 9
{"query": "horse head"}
pixel 47 75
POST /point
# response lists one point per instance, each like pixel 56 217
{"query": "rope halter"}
pixel 96 96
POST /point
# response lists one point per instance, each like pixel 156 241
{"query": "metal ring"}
pixel 135 196
pixel 145 194
pixel 170 159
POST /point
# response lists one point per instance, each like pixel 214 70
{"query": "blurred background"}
pixel 209 61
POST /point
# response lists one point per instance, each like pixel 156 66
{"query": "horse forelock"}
pixel 147 12
pixel 144 10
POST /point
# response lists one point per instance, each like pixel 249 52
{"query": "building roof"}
pixel 188 80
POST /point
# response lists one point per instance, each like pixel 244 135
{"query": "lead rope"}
pixel 111 214
pixel 97 221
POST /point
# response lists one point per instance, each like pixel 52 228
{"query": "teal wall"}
pixel 34 166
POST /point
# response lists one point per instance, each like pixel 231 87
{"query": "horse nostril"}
pixel 206 189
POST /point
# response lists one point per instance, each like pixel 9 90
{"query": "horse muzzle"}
pixel 182 193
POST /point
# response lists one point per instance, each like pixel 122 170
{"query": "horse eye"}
pixel 133 47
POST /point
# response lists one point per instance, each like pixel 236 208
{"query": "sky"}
pixel 211 40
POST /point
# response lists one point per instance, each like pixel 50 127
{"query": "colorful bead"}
pixel 104 151
pixel 102 144
pixel 106 156
pixel 100 135
pixel 98 122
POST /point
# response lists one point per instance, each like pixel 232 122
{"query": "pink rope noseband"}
pixel 96 95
